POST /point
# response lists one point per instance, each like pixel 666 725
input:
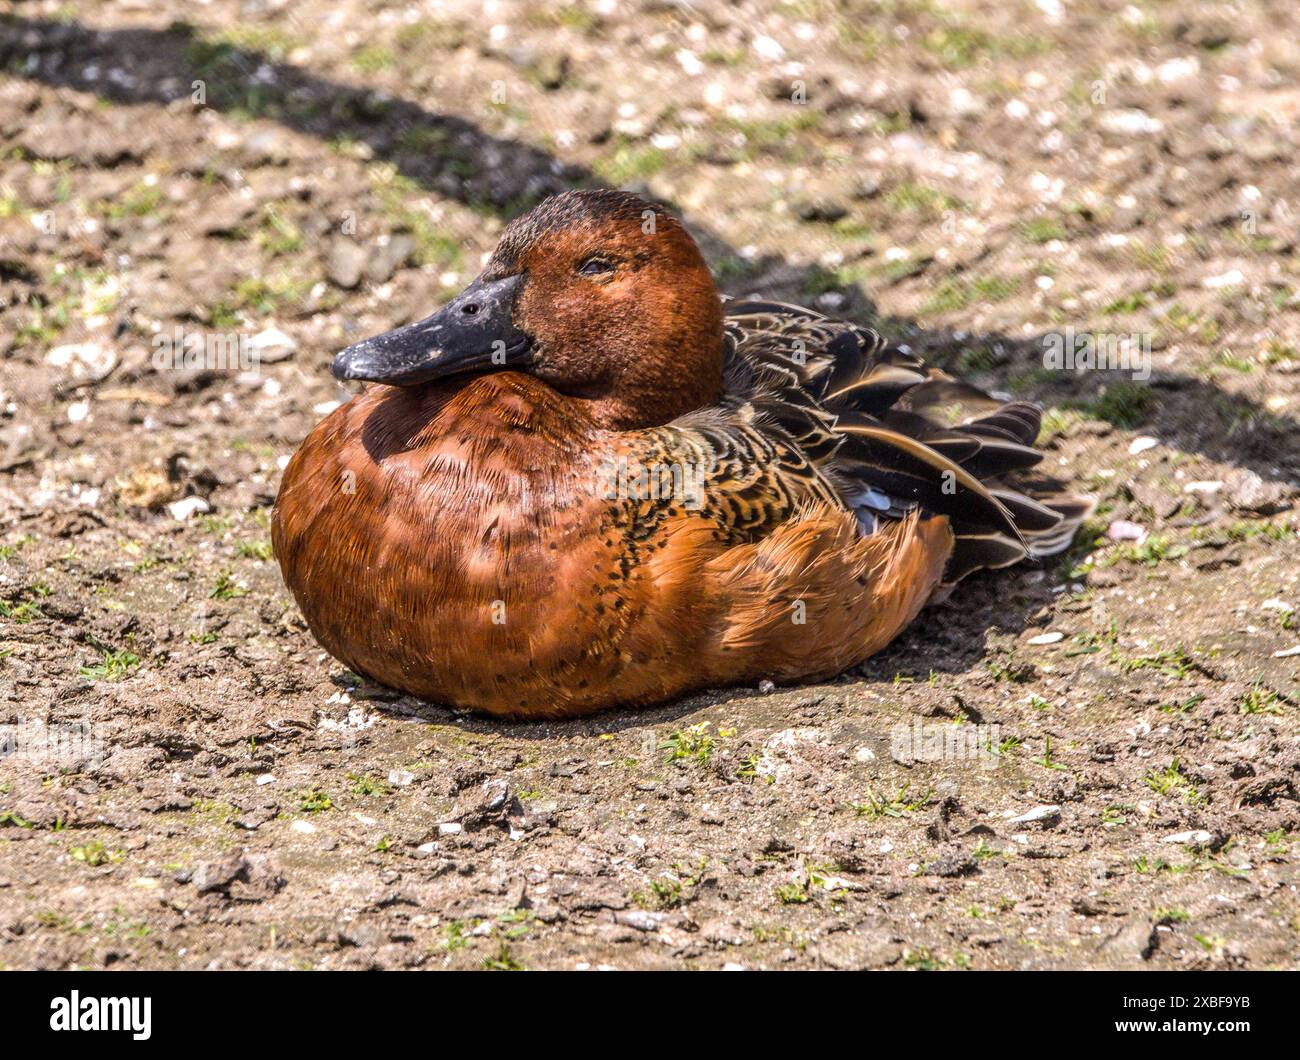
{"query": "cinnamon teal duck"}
pixel 588 481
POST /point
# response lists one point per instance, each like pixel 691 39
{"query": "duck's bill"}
pixel 474 332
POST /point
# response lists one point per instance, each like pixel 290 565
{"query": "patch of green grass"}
pixel 1042 229
pixel 20 613
pixel 417 39
pixel 502 961
pixel 225 588
pixel 1153 550
pixel 908 197
pixel 1174 662
pixel 214 811
pixel 1046 761
pixel 1232 362
pixel 875 806
pixel 792 893
pixel 114 667
pixel 315 801
pixel 278 235
pixel 1129 303
pixel 954 293
pixel 1188 322
pixel 819 280
pixel 139 201
pixel 959 45
pixel 1186 706
pixel 271 40
pixel 95 854
pixel 126 930
pixel 1011 669
pixel 454 937
pixel 1056 421
pixel 372 58
pixel 1172 781
pixel 661 894
pixel 1124 404
pixel 372 787
pixel 1260 700
pixel 254 550
pixel 748 767
pixel 693 744
pixel 627 162
pixel 394 193
pixel 12 549
pixel 769 134
pixel 670 891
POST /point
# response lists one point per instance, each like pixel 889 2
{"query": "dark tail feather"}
pixel 956 451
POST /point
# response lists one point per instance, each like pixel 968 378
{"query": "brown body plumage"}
pixel 639 497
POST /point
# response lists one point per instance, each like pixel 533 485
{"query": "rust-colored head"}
pixel 620 304
pixel 600 294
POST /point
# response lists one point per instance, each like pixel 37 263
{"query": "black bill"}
pixel 475 331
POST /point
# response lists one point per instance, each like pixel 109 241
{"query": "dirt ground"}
pixel 1088 764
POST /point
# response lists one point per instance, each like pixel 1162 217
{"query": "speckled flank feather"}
pixel 488 542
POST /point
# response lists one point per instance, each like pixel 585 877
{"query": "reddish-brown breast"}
pixel 455 542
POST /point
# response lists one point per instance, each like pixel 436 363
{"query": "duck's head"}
pixel 599 294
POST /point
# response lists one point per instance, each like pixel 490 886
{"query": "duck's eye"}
pixel 595 266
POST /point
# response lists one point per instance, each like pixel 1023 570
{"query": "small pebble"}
pixel 1199 837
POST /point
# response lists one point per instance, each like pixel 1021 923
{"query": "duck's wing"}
pixel 736 464
pixel 887 434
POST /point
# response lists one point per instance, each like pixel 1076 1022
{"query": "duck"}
pixel 588 481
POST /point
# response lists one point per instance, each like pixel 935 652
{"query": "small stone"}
pixel 345 263
pixel 1141 445
pixel 1247 492
pixel 84 362
pixel 187 507
pixel 640 919
pixel 271 345
pixel 1231 278
pixel 400 778
pixel 1123 530
pixel 305 827
pixel 1038 813
pixel 1199 837
pixel 1047 638
pixel 389 256
pixel 831 301
pixel 1131 123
